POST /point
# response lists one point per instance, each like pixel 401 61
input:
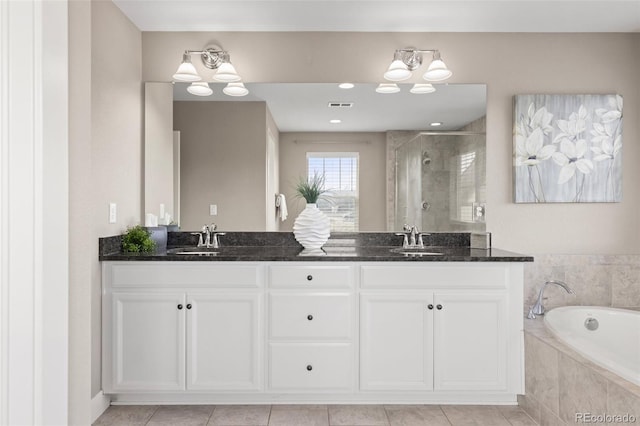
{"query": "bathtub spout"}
pixel 538 307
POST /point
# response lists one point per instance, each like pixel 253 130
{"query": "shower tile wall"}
pixel 601 280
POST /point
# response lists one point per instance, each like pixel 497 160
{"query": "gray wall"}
pixel 371 146
pixel 223 158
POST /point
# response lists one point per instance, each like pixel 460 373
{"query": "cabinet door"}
pixel 470 344
pixel 148 341
pixel 224 341
pixel 396 342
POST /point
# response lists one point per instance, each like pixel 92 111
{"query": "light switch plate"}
pixel 112 213
pixel 213 209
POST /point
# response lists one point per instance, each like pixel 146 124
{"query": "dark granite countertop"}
pixel 251 247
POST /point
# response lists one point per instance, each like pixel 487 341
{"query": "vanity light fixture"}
pixel 213 58
pixel 235 89
pixel 200 88
pixel 409 59
pixel 387 88
pixel 422 88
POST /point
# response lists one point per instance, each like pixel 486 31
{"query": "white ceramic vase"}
pixel 311 228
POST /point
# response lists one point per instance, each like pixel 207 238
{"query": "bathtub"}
pixel 612 341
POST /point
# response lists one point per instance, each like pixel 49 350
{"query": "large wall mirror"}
pixel 416 158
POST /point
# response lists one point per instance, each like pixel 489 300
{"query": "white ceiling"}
pixel 303 107
pixel 385 15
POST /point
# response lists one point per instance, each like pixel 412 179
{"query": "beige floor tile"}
pixel 299 415
pixel 183 415
pixel 357 415
pixel 416 415
pixel 474 415
pixel 240 415
pixel 515 415
pixel 126 415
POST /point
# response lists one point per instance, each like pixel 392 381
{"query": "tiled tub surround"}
pixel 559 382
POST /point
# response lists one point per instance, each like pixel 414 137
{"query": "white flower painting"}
pixel 568 148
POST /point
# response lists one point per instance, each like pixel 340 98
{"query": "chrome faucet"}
pixel 211 238
pixel 412 237
pixel 538 307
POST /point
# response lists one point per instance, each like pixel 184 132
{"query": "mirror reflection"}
pixel 389 159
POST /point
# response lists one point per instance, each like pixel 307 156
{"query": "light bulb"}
pixel 186 71
pixel 235 89
pixel 387 88
pixel 200 88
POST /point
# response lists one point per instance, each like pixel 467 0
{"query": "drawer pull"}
pixel 439 307
pixel 430 306
pixel 179 307
pixel 309 317
pixel 309 367
pixel 309 277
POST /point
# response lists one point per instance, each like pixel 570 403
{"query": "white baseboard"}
pixel 99 404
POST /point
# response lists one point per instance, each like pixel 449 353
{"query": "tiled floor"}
pixel 315 415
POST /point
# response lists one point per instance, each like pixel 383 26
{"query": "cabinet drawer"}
pixel 310 315
pixel 311 277
pixel 310 367
pixel 449 275
pixel 183 274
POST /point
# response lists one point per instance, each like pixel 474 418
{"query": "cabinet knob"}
pixel 439 307
pixel 309 367
pixel 430 306
pixel 309 317
pixel 309 277
pixel 179 306
pixel 189 306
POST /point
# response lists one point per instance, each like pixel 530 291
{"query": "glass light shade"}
pixel 398 71
pixel 387 88
pixel 437 71
pixel 226 73
pixel 422 88
pixel 186 72
pixel 235 89
pixel 200 88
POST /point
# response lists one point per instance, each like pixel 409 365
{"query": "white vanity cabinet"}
pixel 312 332
pixel 178 326
pixel 440 327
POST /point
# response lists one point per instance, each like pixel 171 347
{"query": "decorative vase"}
pixel 311 228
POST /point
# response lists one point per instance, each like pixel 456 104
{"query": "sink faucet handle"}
pixel 405 241
pixel 213 227
pixel 199 234
pixel 216 240
pixel 406 228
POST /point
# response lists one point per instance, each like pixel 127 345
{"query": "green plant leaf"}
pixel 137 240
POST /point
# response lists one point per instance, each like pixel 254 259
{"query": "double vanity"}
pixel 257 322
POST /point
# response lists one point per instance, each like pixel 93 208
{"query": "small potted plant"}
pixel 312 227
pixel 137 240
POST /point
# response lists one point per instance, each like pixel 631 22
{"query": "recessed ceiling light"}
pixel 436 124
pixel 335 121
pixel 346 85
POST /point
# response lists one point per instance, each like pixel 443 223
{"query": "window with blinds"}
pixel 340 171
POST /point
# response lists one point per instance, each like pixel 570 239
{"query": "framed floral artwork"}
pixel 567 148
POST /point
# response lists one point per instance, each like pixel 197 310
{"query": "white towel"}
pixel 281 206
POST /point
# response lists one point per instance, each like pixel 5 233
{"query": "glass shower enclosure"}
pixel 441 182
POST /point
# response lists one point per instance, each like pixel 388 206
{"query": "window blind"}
pixel 340 171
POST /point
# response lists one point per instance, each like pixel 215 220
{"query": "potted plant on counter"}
pixel 137 240
pixel 312 227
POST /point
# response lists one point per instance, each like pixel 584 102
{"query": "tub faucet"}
pixel 538 307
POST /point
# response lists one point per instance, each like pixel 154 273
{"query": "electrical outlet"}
pixel 112 213
pixel 479 212
pixel 213 209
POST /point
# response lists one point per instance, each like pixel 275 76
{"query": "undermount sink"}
pixel 415 251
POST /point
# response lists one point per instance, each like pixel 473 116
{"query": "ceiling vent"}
pixel 340 104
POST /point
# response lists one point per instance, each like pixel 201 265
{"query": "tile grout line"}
pixel 269 417
pixel 154 412
pixel 211 415
pixel 445 415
